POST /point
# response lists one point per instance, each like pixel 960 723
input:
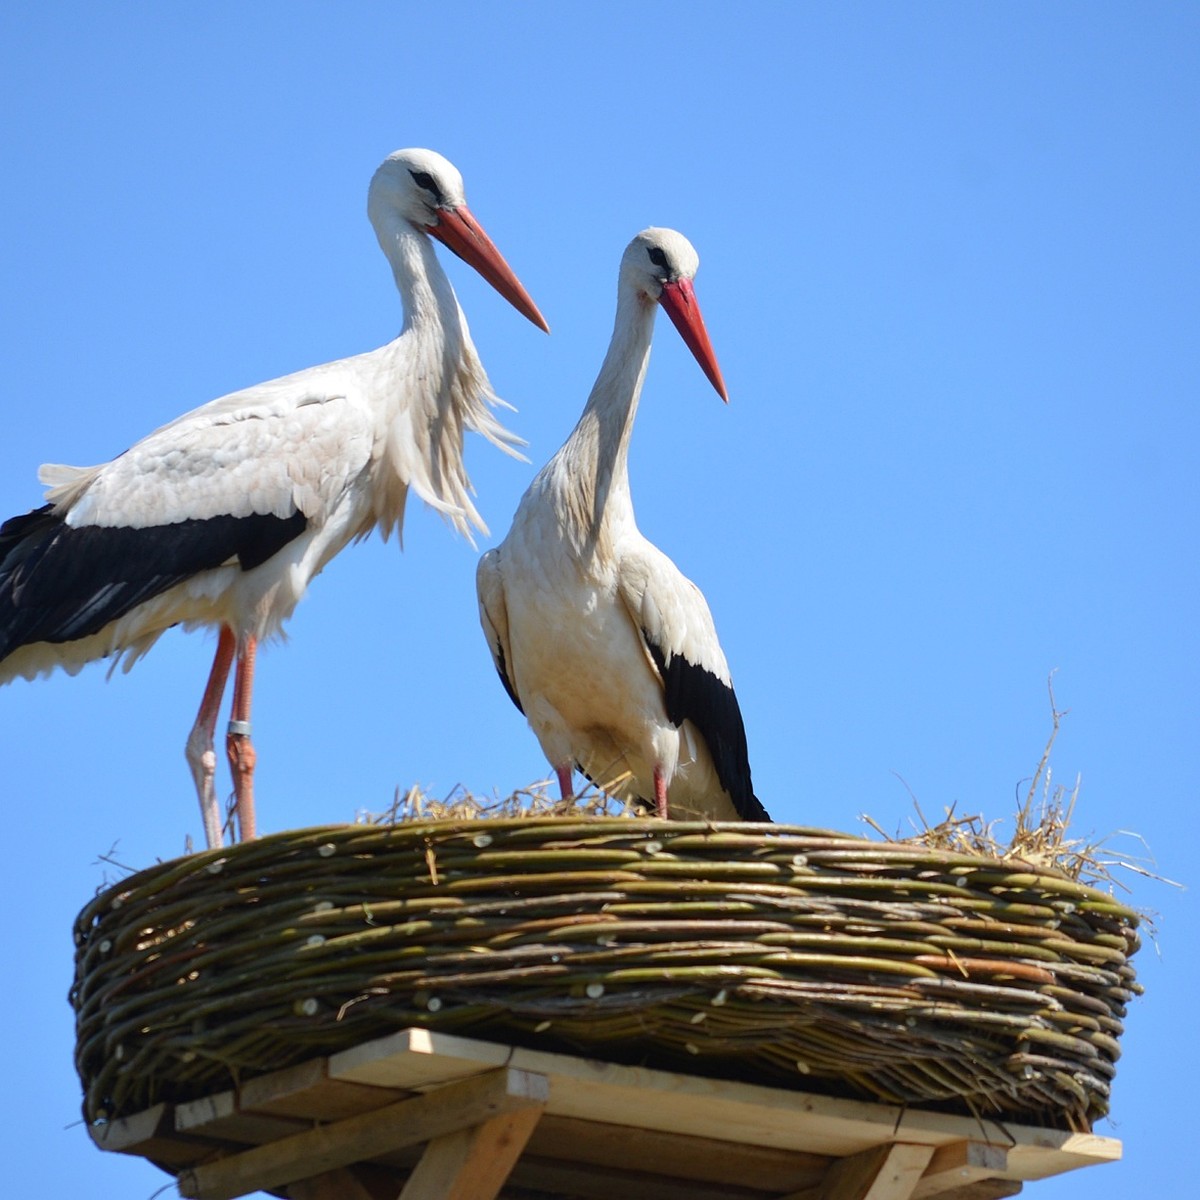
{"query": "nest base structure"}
pixel 782 989
pixel 422 1115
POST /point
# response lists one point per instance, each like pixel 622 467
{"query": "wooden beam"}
pixel 306 1091
pixel 747 1114
pixel 985 1189
pixel 341 1184
pixel 416 1058
pixel 676 1155
pixel 635 1124
pixel 885 1172
pixel 363 1181
pixel 472 1164
pixel 220 1116
pixel 151 1134
pixel 583 1181
pixel 464 1103
pixel 594 1090
pixel 954 1166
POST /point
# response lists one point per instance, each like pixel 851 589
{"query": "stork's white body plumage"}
pixel 223 516
pixel 312 443
pixel 603 643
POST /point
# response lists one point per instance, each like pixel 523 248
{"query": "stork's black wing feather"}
pixel 60 582
pixel 502 671
pixel 697 695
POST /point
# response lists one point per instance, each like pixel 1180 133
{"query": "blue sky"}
pixel 950 270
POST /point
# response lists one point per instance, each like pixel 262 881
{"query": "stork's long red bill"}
pixel 458 231
pixel 679 299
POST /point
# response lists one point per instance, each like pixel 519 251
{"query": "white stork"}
pixel 221 517
pixel 599 639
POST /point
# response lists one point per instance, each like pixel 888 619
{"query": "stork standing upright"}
pixel 221 517
pixel 599 639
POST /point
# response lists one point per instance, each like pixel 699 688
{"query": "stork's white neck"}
pixel 429 388
pixel 594 461
pixel 425 292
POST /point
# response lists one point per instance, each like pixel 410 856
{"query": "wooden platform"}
pixel 430 1116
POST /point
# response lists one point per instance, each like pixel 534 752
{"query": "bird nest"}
pixel 896 972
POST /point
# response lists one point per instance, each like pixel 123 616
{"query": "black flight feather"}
pixel 697 695
pixel 502 671
pixel 60 582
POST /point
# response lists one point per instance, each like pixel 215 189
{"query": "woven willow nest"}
pixel 773 953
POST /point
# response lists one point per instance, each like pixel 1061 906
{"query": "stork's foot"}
pixel 241 762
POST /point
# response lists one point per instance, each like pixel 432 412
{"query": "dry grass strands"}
pixel 537 800
pixel 909 974
pixel 1041 838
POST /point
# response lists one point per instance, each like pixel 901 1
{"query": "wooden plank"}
pixel 900 1174
pixel 151 1134
pixel 1037 1153
pixel 959 1164
pixel 306 1091
pixel 219 1116
pixel 590 1089
pixel 985 1189
pixel 675 1155
pixel 341 1184
pixel 744 1113
pixel 472 1164
pixel 463 1103
pixel 415 1059
pixel 360 1182
pixel 559 1178
pixel 885 1172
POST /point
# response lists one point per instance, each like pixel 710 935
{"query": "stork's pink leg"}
pixel 566 784
pixel 201 756
pixel 237 742
pixel 660 793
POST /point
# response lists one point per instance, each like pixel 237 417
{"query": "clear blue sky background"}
pixel 950 270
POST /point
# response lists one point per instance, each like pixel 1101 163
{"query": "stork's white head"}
pixel 657 257
pixel 661 265
pixel 425 190
pixel 414 184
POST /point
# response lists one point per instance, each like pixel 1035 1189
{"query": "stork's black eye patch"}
pixel 424 180
pixel 657 257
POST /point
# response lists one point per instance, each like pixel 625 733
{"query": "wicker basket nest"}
pixel 778 954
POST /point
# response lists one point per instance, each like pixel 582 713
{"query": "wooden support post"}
pixel 954 1166
pixel 458 1105
pixel 985 1189
pixel 333 1185
pixel 360 1182
pixel 586 1181
pixel 472 1164
pixel 886 1172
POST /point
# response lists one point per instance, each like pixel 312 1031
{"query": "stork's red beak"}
pixel 458 230
pixel 679 299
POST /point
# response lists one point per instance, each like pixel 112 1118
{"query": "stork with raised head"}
pixel 599 639
pixel 221 517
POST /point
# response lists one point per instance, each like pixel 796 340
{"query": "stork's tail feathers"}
pixel 750 808
pixel 62 583
pixel 24 540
